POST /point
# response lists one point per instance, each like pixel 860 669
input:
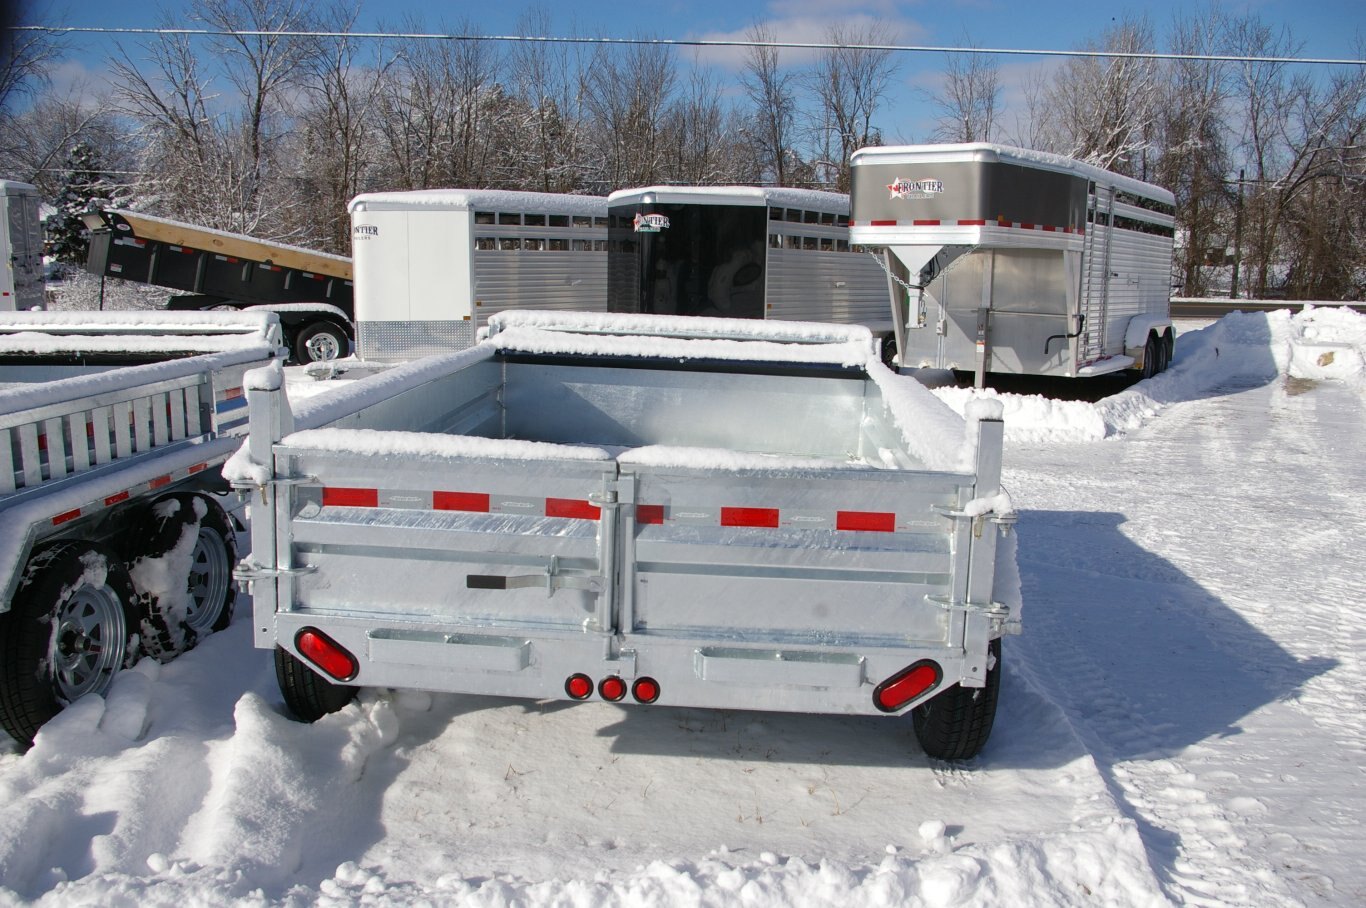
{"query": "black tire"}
pixel 173 621
pixel 67 633
pixel 308 694
pixel 320 342
pixel 1168 348
pixel 889 352
pixel 1150 357
pixel 955 725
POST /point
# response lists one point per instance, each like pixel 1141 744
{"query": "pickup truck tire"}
pixel 308 695
pixel 207 574
pixel 320 342
pixel 66 635
pixel 955 724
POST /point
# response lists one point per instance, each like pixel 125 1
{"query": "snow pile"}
pixel 1240 350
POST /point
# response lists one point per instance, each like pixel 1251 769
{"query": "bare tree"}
pixel 774 105
pixel 1103 110
pixel 626 93
pixel 968 97
pixel 335 156
pixel 25 56
pixel 1194 153
pixel 850 82
pixel 546 79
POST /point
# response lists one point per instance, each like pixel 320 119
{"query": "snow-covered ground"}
pixel 1181 722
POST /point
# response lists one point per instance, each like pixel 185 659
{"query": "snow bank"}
pixel 1241 349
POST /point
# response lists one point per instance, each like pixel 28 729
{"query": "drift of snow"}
pixel 1180 723
pixel 1319 344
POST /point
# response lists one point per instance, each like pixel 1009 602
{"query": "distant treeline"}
pixel 272 135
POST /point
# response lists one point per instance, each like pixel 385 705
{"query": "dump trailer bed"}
pixel 693 512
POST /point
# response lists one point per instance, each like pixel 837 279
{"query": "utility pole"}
pixel 1237 238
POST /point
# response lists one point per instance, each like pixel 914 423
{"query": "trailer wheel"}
pixel 308 695
pixel 66 634
pixel 320 342
pixel 1168 348
pixel 185 587
pixel 955 725
pixel 1151 365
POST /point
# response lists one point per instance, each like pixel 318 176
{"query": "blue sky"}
pixel 1325 28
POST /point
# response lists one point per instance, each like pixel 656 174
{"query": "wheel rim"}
pixel 89 644
pixel 210 574
pixel 322 347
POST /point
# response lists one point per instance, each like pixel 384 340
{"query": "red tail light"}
pixel 645 690
pixel 327 654
pixel 612 688
pixel 578 687
pixel 906 685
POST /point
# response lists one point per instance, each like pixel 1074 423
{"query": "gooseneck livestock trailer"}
pixel 741 252
pixel 432 266
pixel 1000 259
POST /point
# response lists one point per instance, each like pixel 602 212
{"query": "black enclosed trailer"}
pixel 312 292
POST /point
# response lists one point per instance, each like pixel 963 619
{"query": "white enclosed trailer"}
pixel 431 266
pixel 649 509
pixel 21 248
pixel 742 252
pixel 1004 260
pixel 113 541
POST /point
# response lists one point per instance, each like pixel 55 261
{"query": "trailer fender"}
pixel 1136 334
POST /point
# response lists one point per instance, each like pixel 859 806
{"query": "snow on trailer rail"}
pixel 115 427
pixel 696 512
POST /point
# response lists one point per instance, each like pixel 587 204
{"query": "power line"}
pixel 698 42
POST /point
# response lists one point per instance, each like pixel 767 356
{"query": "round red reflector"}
pixel 612 688
pixel 579 687
pixel 646 690
pixel 326 653
pixel 906 685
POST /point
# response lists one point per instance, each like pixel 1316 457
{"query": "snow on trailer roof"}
pixel 472 199
pixel 135 331
pixel 733 195
pixel 988 153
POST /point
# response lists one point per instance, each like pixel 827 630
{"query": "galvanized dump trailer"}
pixel 646 509
pixel 433 265
pixel 1004 260
pixel 113 540
pixel 742 252
pixel 310 292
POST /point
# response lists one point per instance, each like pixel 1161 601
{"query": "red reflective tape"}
pixel 926 222
pixel 866 521
pixel 572 507
pixel 159 482
pixel 650 513
pixel 749 517
pixel 66 517
pixel 232 393
pixel 461 501
pixel 350 498
pixel 1025 226
pixel 1047 228
pixel 882 223
pixel 199 467
pixel 115 499
pixel 967 223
